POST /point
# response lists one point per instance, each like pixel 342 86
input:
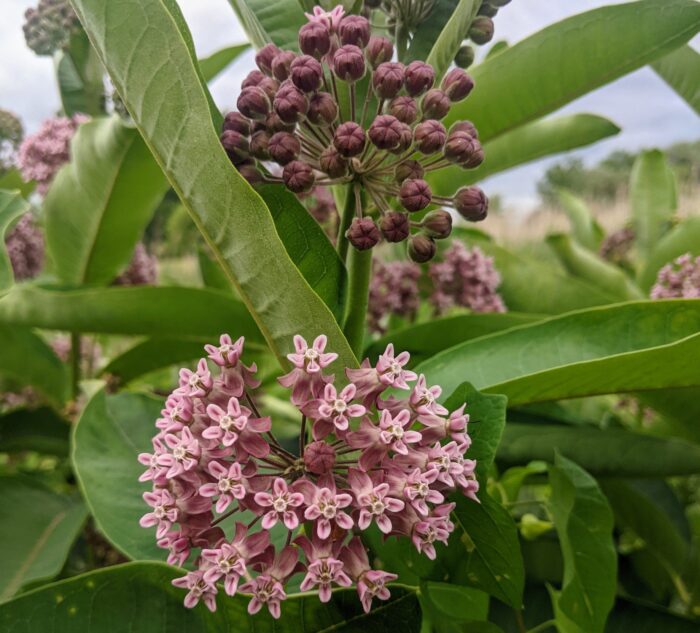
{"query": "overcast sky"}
pixel 649 113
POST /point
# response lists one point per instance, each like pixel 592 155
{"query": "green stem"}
pixel 345 221
pixel 359 273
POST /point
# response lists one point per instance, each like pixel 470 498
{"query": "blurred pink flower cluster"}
pixel 389 461
pixel 393 290
pixel 25 247
pixel 141 271
pixel 678 280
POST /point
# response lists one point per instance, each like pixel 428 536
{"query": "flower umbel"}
pixel 678 280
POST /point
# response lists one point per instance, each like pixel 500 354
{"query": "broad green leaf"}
pixel 80 77
pixel 681 70
pixel 584 227
pixel 497 47
pixel 37 529
pixel 185 313
pixel 527 143
pixel 266 22
pixel 231 217
pixel 41 430
pixel 602 452
pixel 100 203
pixel 652 197
pixel 427 339
pixel 429 30
pixel 12 205
pixel 682 238
pixel 27 359
pixel 451 37
pixel 628 347
pixel 571 58
pixel 217 62
pixel 679 411
pixel 584 264
pixel 584 522
pixel 139 598
pixel 630 616
pixel 454 609
pixel 210 271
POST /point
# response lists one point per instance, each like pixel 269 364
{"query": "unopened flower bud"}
pixel 264 57
pixel 235 144
pixel 419 78
pixel 349 139
pixel 415 194
pixel 465 56
pixel 457 84
pixel 283 147
pixel 237 122
pixel 435 104
pixel 471 203
pixel 404 108
pixel 314 39
pixel 385 132
pixel 464 126
pixel 349 63
pixel 354 29
pixel 253 78
pixel 488 9
pixel 405 141
pixel 437 224
pixel 429 136
pixel 475 157
pixel 319 457
pixel 253 103
pixel 323 110
pixel 251 174
pixel 461 147
pixel 421 248
pixel 258 144
pixel 379 50
pixel 408 169
pixel 387 79
pixel 395 226
pixel 273 124
pixel 306 73
pixel 298 176
pixel 290 103
pixel 363 234
pixel 481 30
pixel 270 87
pixel 281 64
pixel 333 163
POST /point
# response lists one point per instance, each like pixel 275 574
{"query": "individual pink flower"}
pixel 196 384
pixel 268 587
pixel 230 485
pixel 164 513
pixel 323 567
pixel 417 490
pixel 198 589
pixel 431 529
pixel 370 583
pixel 234 418
pixel 330 19
pixel 306 380
pixel 227 353
pixel 155 469
pixel 424 400
pixel 281 502
pixel 373 501
pixel 395 433
pixel 334 410
pixel 184 452
pixel 325 506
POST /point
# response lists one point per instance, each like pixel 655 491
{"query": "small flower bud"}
pixel 475 157
pixel 379 50
pixel 419 78
pixel 405 141
pixel 235 144
pixel 264 57
pixel 435 104
pixel 465 126
pixel 314 39
pixel 283 147
pixel 465 56
pixel 415 194
pixel 481 30
pixel 461 147
pixel 421 248
pixel 306 73
pixel 251 174
pixel 281 64
pixel 430 136
pixel 363 234
pixel 408 169
pixel 253 78
pixel 457 84
pixel 387 79
pixel 333 163
pixel 237 122
pixel 349 63
pixel 273 124
pixel 253 103
pixel 471 203
pixel 290 103
pixel 270 87
pixel 488 9
pixel 319 457
pixel 437 224
pixel 323 110
pixel 385 132
pixel 349 139
pixel 298 176
pixel 354 29
pixel 258 144
pixel 395 226
pixel 405 109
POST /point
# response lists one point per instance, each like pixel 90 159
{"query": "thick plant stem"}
pixel 359 272
pixel 345 221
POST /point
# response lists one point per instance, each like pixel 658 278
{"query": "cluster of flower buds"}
pixel 43 153
pixel 392 291
pixel 679 279
pixel 371 460
pixel 290 128
pixel 465 278
pixel 141 271
pixel 25 248
pixel 11 133
pixel 480 31
pixel 49 26
pixel 616 247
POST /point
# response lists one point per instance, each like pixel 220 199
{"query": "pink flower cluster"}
pixel 678 280
pixel 393 290
pixel 42 154
pixel 466 278
pixel 25 247
pixel 141 271
pixel 389 461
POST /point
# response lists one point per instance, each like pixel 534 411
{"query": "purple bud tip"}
pixel 437 224
pixel 408 169
pixel 290 103
pixel 306 73
pixel 349 139
pixel 298 176
pixel 264 57
pixel 323 110
pixel 283 147
pixel 385 132
pixel 387 79
pixel 379 50
pixel 333 163
pixel 435 104
pixel 349 63
pixel 314 39
pixel 237 122
pixel 419 78
pixel 395 226
pixel 457 84
pixel 405 109
pixel 354 29
pixel 471 203
pixel 319 457
pixel 253 78
pixel 363 234
pixel 253 103
pixel 415 194
pixel 421 248
pixel 430 136
pixel 281 65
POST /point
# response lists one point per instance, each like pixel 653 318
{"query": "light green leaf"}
pixel 80 77
pixel 41 430
pixel 430 29
pixel 451 37
pixel 211 273
pixel 628 347
pixel 584 522
pixel 139 598
pixel 454 609
pixel 37 529
pixel 99 204
pixel 230 215
pixel 525 144
pixel 652 197
pixel 12 181
pixel 266 22
pixel 217 62
pixel 571 58
pixel 497 47
pixel 681 70
pixel 12 205
pixel 584 226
